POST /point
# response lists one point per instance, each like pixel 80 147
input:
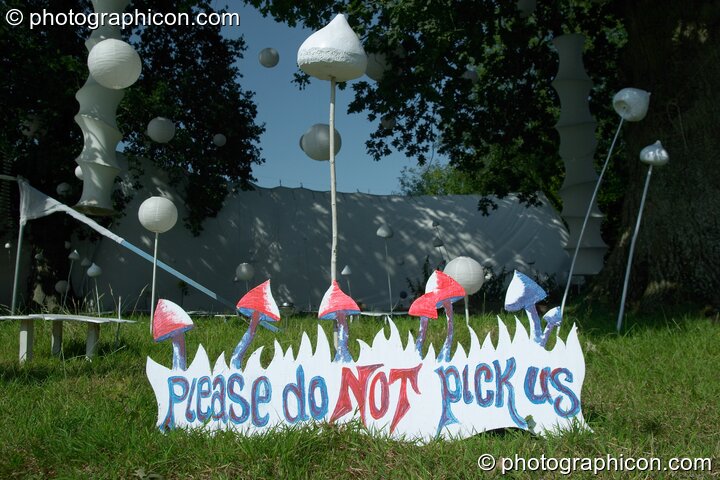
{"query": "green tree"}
pixel 189 75
pixel 499 129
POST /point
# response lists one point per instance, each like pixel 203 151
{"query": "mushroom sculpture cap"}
pixel 169 320
pixel 74 255
pixel 334 51
pixel 522 292
pixel 631 104
pixel 654 155
pixel 553 316
pixel 260 300
pixel 444 287
pixel 424 306
pixel 335 301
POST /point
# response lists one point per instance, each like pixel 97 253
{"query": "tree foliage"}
pixel 189 75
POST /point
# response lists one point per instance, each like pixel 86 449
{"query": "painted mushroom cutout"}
pixel 171 321
pixel 259 305
pixel 522 294
pixel 336 305
pixel 553 319
pixel 446 291
pixel 425 307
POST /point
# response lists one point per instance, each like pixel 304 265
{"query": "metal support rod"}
pixel 152 290
pixel 587 216
pixel 632 250
pixel 387 269
pixel 333 193
pixel 17 268
pixel 68 284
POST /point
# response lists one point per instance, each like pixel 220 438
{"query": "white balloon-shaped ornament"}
pixel 316 142
pixel 244 272
pixel 631 104
pixel 161 129
pixel 467 272
pixel 63 189
pixel 62 287
pixel 376 66
pixel 219 140
pixel 94 271
pixel 114 64
pixel 334 51
pixel 268 57
pixel 654 155
pixel 158 214
pixel 79 173
pixel 387 122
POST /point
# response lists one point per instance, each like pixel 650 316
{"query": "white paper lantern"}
pixel 384 232
pixel 161 129
pixel 79 173
pixel 631 104
pixel 62 287
pixel 114 64
pixel 219 140
pixel 467 272
pixel 63 189
pixel 94 271
pixel 526 7
pixel 472 75
pixel 316 142
pixel 158 214
pixel 654 155
pixel 376 66
pixel 268 57
pixel 388 122
pixel 333 52
pixel 244 272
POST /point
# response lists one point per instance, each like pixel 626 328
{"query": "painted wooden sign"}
pixel 390 387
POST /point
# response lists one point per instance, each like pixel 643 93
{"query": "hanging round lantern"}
pixel 387 122
pixel 161 129
pixel 79 173
pixel 219 140
pixel 467 272
pixel 269 57
pixel 244 272
pixel 94 271
pixel 316 142
pixel 526 7
pixel 376 66
pixel 114 64
pixel 63 189
pixel 62 287
pixel 157 214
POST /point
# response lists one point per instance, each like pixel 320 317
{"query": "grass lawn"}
pixel 652 392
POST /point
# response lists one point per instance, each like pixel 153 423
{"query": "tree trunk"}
pixel 672 53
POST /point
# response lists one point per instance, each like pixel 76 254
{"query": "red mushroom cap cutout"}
pixel 445 288
pixel 260 300
pixel 424 306
pixel 169 320
pixel 335 301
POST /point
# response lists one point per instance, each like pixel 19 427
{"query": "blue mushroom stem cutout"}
pixel 258 305
pixel 170 321
pixel 337 305
pixel 446 291
pixel 553 319
pixel 425 307
pixel 522 294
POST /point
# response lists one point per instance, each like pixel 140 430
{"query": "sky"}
pixel 288 112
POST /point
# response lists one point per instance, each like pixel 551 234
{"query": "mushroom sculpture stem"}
pixel 421 335
pixel 179 353
pixel 245 341
pixel 523 293
pixel 342 354
pixel 447 346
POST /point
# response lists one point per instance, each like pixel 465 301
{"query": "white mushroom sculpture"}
pixel 333 53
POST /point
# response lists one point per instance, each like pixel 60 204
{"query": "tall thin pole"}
pixel 387 269
pixel 17 269
pixel 333 194
pixel 632 250
pixel 587 216
pixel 152 290
pixel 68 283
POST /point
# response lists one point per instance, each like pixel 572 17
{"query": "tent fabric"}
pixel 285 234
